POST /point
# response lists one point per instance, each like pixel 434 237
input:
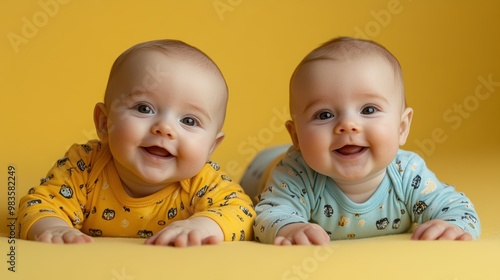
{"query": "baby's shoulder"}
pixel 293 157
pixel 407 160
pixel 91 148
pixel 211 172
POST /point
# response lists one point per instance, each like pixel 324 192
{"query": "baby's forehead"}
pixel 325 73
pixel 308 67
pixel 146 67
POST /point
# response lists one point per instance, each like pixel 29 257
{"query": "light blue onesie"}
pixel 409 193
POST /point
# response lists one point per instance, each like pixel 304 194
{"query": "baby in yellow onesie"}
pixel 150 174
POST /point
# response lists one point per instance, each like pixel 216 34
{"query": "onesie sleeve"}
pixel 61 194
pixel 214 195
pixel 427 198
pixel 286 198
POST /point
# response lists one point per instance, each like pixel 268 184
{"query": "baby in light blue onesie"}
pixel 346 176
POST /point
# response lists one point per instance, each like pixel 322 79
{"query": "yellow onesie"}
pixel 84 189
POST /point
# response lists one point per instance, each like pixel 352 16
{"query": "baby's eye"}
pixel 324 115
pixel 369 110
pixel 189 121
pixel 144 109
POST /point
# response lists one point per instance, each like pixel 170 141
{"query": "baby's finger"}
pixel 162 238
pixel 211 240
pixel 426 231
pixel 465 237
pixel 181 240
pixel 455 233
pixel 317 236
pixel 151 240
pixel 300 238
pixel 75 238
pixel 48 237
pixel 283 241
pixel 194 238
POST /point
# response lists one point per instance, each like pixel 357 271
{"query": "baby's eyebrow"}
pixel 200 109
pixel 372 96
pixel 134 96
pixel 313 104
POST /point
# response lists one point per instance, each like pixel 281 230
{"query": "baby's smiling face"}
pixel 163 119
pixel 348 116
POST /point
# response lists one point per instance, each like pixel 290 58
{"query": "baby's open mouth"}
pixel 157 151
pixel 350 150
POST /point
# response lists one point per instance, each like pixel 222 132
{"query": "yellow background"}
pixel 55 56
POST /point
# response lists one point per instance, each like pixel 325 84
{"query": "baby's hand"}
pixel 190 232
pixel 63 235
pixel 439 230
pixel 56 230
pixel 302 234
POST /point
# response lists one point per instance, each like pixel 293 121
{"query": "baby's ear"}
pixel 404 128
pixel 101 121
pixel 218 139
pixel 290 126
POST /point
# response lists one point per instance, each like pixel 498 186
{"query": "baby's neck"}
pixel 360 191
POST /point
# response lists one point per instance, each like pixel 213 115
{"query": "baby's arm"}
pixel 53 212
pixel 283 212
pixel 441 212
pixel 56 230
pixel 284 207
pixel 191 232
pixel 439 230
pixel 302 234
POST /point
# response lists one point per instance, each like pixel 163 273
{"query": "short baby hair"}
pixel 168 47
pixel 345 48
